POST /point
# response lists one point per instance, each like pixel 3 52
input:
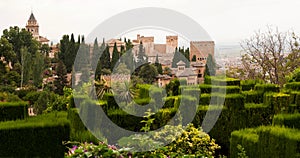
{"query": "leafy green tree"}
pixel 6 50
pixel 25 65
pixel 294 76
pixel 148 73
pixel 38 67
pixel 61 80
pixel 115 57
pixel 20 38
pixel 45 50
pixel 210 67
pixel 83 57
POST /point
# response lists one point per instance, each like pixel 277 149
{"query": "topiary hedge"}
pixel 266 141
pixel 295 86
pixel 279 102
pixel 40 136
pixel 13 110
pixel 287 120
pixel 253 96
pixel 267 88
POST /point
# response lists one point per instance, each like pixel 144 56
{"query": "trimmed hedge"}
pixel 234 101
pixel 221 81
pixel 267 88
pixel 266 141
pixel 279 102
pixel 78 130
pixel 287 120
pixel 206 88
pixel 13 110
pixel 247 85
pixel 253 96
pixel 295 86
pixel 170 102
pixel 39 136
pixel 144 90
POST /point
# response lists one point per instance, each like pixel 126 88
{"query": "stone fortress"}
pixel 194 73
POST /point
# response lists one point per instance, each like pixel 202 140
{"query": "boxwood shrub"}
pixel 266 141
pixel 287 120
pixel 13 110
pixel 253 96
pixel 267 87
pixel 40 136
pixel 295 86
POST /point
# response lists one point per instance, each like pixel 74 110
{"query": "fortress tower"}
pixel 201 49
pixel 32 26
pixel 171 44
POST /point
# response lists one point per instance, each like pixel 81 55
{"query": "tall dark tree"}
pixel 38 67
pixel 158 65
pixel 61 80
pixel 105 58
pixel 141 57
pixel 115 57
pixel 194 58
pixel 177 57
pixel 210 67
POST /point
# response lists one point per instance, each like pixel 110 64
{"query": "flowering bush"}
pixel 87 150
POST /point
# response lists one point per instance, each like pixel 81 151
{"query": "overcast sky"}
pixel 226 21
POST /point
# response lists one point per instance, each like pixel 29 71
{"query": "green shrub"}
pixel 295 86
pixel 40 136
pixel 279 102
pixel 205 99
pixel 248 84
pixel 232 89
pixel 266 141
pixel 170 102
pixel 205 88
pixel 234 101
pixel 267 88
pixel 13 110
pixel 144 90
pixel 287 120
pixel 253 96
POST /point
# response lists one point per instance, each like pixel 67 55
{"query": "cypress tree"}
pixel 210 67
pixel 115 56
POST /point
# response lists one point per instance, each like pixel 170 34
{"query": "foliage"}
pixel 266 141
pixel 210 66
pixel 293 86
pixel 173 88
pixel 287 120
pixel 294 76
pixel 148 73
pixel 39 136
pixel 94 150
pixel 13 110
pixel 61 80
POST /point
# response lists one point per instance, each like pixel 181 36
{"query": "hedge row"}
pixel 206 88
pixel 79 132
pixel 234 101
pixel 13 110
pixel 266 141
pixel 267 87
pixel 40 136
pixel 229 120
pixel 253 96
pixel 279 102
pixel 287 120
pixel 295 86
pixel 247 85
pixel 221 81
